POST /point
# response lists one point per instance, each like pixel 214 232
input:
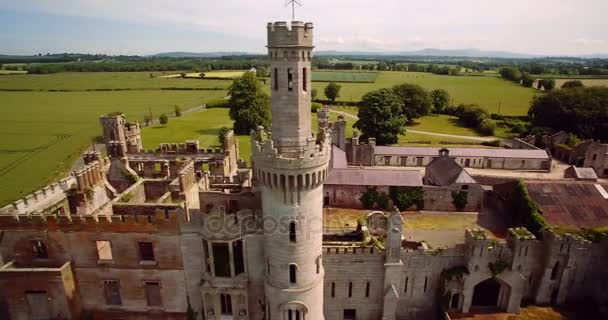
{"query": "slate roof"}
pixel 463 152
pixel 374 177
pixel 581 173
pixel 444 171
pixel 571 204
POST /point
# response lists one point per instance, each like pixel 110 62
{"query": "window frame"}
pixel 39 249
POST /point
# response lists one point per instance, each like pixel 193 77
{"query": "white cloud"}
pixel 541 26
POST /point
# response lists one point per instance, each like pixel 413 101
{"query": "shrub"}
pixel 405 197
pixel 460 199
pixel 383 201
pixel 222 134
pixel 178 111
pixel 572 84
pixel 163 119
pixel 314 93
pixel 524 212
pixel 487 127
pixel 368 198
pixel 315 106
pixel 126 197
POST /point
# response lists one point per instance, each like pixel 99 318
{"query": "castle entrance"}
pixel 491 293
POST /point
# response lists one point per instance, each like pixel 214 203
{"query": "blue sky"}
pixel 564 27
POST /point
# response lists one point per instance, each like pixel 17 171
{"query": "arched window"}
pixel 555 271
pixel 293 269
pixel 292 231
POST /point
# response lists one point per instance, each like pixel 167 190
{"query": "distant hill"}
pixel 468 53
pixel 179 54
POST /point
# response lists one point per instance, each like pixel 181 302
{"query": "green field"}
pixel 344 76
pixel 487 91
pixel 44 132
pixel 46 129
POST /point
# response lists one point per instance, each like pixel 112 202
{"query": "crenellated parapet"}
pixel 161 219
pixel 482 251
pixel 283 35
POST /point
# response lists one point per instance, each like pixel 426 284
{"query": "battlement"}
pixel 311 156
pixel 352 250
pixel 298 34
pixel 521 233
pixel 161 218
pixel 40 199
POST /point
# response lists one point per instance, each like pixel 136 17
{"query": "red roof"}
pixel 570 204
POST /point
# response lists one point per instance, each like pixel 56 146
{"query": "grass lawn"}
pixel 103 80
pixel 44 132
pixel 344 76
pixel 487 91
pixel 440 221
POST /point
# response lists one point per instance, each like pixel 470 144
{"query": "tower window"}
pixel 276 79
pixel 292 231
pixel 292 273
pixel 304 79
pixel 425 283
pixel 39 249
pixel 406 283
pixel 367 289
pixel 289 79
pixel 318 264
pixel 350 289
pixel 333 289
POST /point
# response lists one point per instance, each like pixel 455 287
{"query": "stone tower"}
pixel 290 168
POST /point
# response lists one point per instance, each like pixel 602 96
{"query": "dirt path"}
pixel 354 117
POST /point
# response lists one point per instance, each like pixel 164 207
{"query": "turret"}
pixel 290 169
pixel 290 51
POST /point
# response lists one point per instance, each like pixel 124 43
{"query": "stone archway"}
pixel 491 293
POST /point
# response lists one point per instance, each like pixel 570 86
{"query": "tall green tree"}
pixel 332 91
pixel 510 73
pixel 581 111
pixel 441 99
pixel 249 104
pixel 415 101
pixel 380 117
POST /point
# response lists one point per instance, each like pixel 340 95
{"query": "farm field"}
pixel 346 76
pixel 487 91
pixel 44 132
pixel 82 81
pixel 586 82
pixel 228 74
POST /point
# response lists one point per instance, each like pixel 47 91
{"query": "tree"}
pixel 527 81
pixel 249 105
pixel 487 127
pixel 313 94
pixel 178 111
pixel 147 120
pixel 332 91
pixel 573 84
pixel 547 84
pixel 222 134
pixel 380 117
pixel 183 74
pixel 510 73
pixel 581 111
pixel 441 99
pixel 262 72
pixel 415 101
pixel 202 74
pixel 163 119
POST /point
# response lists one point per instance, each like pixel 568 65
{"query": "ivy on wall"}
pixel 524 210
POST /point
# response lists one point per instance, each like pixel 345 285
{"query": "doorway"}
pixel 350 314
pixel 486 293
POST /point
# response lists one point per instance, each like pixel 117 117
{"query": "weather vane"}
pixel 293 7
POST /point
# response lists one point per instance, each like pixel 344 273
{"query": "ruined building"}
pixel 184 230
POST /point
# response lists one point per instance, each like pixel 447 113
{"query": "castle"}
pixel 182 232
